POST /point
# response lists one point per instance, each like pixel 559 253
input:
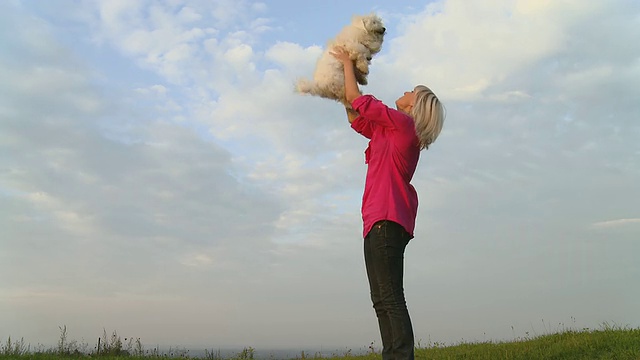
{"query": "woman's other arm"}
pixel 351 114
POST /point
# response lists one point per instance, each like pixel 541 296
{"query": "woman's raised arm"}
pixel 351 90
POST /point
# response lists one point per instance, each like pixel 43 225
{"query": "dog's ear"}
pixel 358 22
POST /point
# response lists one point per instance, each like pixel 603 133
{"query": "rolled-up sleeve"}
pixel 374 110
pixel 362 126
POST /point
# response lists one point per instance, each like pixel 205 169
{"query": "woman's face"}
pixel 405 102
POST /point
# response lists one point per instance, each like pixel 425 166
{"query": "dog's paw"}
pixel 361 78
pixel 364 70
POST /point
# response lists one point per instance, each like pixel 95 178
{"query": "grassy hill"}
pixel 607 343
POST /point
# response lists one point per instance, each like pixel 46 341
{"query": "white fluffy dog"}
pixel 361 39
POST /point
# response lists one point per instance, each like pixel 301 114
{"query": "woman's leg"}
pixel 384 256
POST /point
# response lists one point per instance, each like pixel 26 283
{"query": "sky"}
pixel 160 178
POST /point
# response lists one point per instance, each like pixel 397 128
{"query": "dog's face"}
pixel 373 24
pixel 374 29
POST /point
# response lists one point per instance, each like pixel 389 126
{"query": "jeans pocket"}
pixel 389 235
pixel 380 229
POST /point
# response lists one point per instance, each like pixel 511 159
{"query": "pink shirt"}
pixel 392 157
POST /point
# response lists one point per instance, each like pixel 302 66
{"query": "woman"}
pixel 390 203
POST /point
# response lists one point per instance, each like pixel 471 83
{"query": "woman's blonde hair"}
pixel 428 114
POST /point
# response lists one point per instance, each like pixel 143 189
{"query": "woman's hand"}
pixel 351 89
pixel 341 55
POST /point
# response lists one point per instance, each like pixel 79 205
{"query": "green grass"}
pixel 569 345
pixel 612 343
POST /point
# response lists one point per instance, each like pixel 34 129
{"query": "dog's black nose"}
pixel 384 30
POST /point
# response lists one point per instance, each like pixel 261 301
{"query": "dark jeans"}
pixel 384 256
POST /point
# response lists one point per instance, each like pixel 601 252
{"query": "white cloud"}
pixel 462 49
pixel 615 223
pixel 293 57
pixel 168 38
pixel 240 58
pixel 188 14
pixel 259 7
pixel 123 186
pixel 156 89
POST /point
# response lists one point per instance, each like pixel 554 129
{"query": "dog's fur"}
pixel 361 39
